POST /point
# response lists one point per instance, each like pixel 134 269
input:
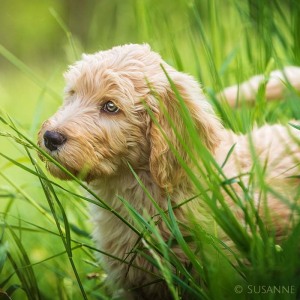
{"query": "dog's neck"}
pixel 108 227
pixel 112 190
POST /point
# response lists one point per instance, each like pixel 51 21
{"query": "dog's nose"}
pixel 53 140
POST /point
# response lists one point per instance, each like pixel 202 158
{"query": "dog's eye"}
pixel 110 107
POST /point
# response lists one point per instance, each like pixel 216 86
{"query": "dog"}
pixel 274 89
pixel 115 126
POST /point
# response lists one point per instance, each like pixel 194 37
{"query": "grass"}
pixel 45 246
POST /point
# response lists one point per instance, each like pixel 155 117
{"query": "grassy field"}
pixel 45 246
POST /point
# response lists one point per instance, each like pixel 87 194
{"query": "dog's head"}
pixel 112 115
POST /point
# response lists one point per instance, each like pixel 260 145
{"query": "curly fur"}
pixel 100 146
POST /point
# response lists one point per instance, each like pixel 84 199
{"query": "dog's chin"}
pixel 60 174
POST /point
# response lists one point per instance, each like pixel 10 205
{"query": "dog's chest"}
pixel 110 233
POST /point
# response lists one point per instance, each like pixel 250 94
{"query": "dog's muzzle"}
pixel 53 140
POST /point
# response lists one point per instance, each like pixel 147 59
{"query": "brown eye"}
pixel 110 107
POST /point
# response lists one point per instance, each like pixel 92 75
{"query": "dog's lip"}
pixel 74 172
pixel 50 165
pixel 42 157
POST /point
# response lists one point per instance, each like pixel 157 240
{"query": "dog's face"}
pixel 104 124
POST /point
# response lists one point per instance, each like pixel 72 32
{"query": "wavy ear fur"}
pixel 164 166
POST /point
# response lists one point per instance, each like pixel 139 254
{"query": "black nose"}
pixel 53 140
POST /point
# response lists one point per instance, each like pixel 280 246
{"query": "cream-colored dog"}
pixel 104 126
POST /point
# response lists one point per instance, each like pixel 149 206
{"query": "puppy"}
pixel 274 89
pixel 117 123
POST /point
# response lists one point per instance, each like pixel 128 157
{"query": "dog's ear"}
pixel 164 166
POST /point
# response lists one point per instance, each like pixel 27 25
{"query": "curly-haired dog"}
pixel 105 125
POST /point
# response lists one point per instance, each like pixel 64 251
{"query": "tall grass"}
pixel 45 246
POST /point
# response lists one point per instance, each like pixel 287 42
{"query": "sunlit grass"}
pixel 45 246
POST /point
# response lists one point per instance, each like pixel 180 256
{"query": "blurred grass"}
pixel 219 42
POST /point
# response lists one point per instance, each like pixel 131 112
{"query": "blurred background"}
pixel 220 42
pixel 48 35
pixel 227 35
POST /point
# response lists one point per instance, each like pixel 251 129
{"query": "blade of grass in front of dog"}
pixel 78 181
pixel 225 111
pixel 191 174
pixel 228 155
pixel 135 215
pixel 67 238
pixel 180 138
pixel 64 233
pixel 26 274
pixel 79 243
pixel 16 139
pixel 64 216
pixel 176 266
pixel 190 128
pixel 148 194
pixel 220 264
pixel 184 246
pixel 144 224
pixel 295 126
pixel 184 112
pixel 166 272
pixel 26 169
pixel 163 263
pixel 193 133
pixel 208 160
pixel 217 244
pixel 239 236
pixel 262 256
pixel 158 245
pixel 163 258
pixel 178 271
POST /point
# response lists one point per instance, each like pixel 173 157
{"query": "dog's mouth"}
pixel 60 168
pixel 61 173
pixel 69 161
pixel 66 172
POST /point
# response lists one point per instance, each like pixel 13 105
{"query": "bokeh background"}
pixel 220 42
pixel 41 34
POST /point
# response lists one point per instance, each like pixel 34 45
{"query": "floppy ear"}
pixel 164 166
